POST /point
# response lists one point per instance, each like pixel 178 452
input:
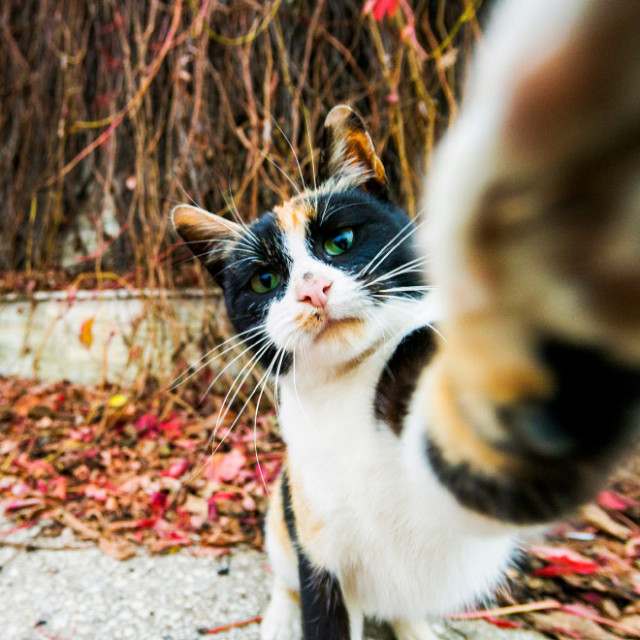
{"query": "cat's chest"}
pixel 343 455
pixel 330 414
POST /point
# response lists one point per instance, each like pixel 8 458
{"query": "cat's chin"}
pixel 337 328
pixel 340 340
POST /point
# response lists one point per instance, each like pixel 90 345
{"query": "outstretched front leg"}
pixel 534 200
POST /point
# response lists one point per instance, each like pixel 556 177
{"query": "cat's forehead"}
pixel 294 215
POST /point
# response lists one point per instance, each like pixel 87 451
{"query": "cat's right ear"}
pixel 348 157
pixel 209 237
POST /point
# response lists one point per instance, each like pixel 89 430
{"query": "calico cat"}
pixel 328 289
pixel 425 429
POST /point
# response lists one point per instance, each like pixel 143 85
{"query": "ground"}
pixel 170 532
pixel 82 594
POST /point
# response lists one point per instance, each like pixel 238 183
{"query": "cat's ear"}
pixel 347 156
pixel 209 237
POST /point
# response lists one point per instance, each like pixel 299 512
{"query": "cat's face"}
pixel 326 275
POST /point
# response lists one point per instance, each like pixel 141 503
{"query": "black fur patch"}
pixel 383 236
pixel 533 498
pixel 287 508
pixel 400 376
pixel 324 614
pixel 595 405
pixel 262 247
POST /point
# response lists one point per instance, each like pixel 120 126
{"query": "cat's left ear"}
pixel 209 237
pixel 348 157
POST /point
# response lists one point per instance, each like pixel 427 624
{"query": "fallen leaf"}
pixel 176 469
pixel 196 505
pixel 570 626
pixel 504 623
pixel 117 548
pixel 616 501
pixel 86 332
pixel 601 519
pixel 224 467
pixel 118 401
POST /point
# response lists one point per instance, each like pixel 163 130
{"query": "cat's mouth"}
pixel 324 325
pixel 332 326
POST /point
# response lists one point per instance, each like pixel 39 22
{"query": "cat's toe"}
pixel 411 630
pixel 282 620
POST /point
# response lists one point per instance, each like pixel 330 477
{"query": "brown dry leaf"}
pixel 220 538
pixel 603 521
pixel 117 548
pixel 81 528
pixel 631 621
pixel 565 624
pixel 196 505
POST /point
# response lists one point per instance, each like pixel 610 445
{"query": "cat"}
pixel 426 429
pixel 328 289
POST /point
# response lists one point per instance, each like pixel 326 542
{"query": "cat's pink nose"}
pixel 315 291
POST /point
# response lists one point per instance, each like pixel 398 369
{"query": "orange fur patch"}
pixel 452 431
pixel 308 523
pixel 276 525
pixel 360 148
pixel 293 215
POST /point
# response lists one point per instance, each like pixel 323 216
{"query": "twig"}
pixel 227 627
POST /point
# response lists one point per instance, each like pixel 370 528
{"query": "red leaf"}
pixel 172 428
pixel 177 468
pixel 503 623
pixel 144 523
pixel 159 502
pixel 380 8
pixel 560 555
pixel 554 570
pixel 616 501
pixel 145 422
pixel 224 467
pixel 20 504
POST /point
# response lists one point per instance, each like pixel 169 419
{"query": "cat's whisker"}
pixel 325 217
pixel 413 266
pixel 237 385
pixel 390 299
pixel 250 333
pixel 404 234
pixel 283 172
pixel 411 288
pixel 211 438
pixel 250 236
pixel 276 396
pixel 261 341
pixel 370 265
pixel 280 352
pixel 241 335
pixel 295 155
pixel 266 343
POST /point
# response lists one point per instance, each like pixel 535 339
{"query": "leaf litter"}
pixel 129 473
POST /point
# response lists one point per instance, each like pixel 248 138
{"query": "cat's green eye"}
pixel 339 243
pixel 265 281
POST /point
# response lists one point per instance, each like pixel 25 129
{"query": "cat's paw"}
pixel 412 630
pixel 282 619
pixel 534 203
